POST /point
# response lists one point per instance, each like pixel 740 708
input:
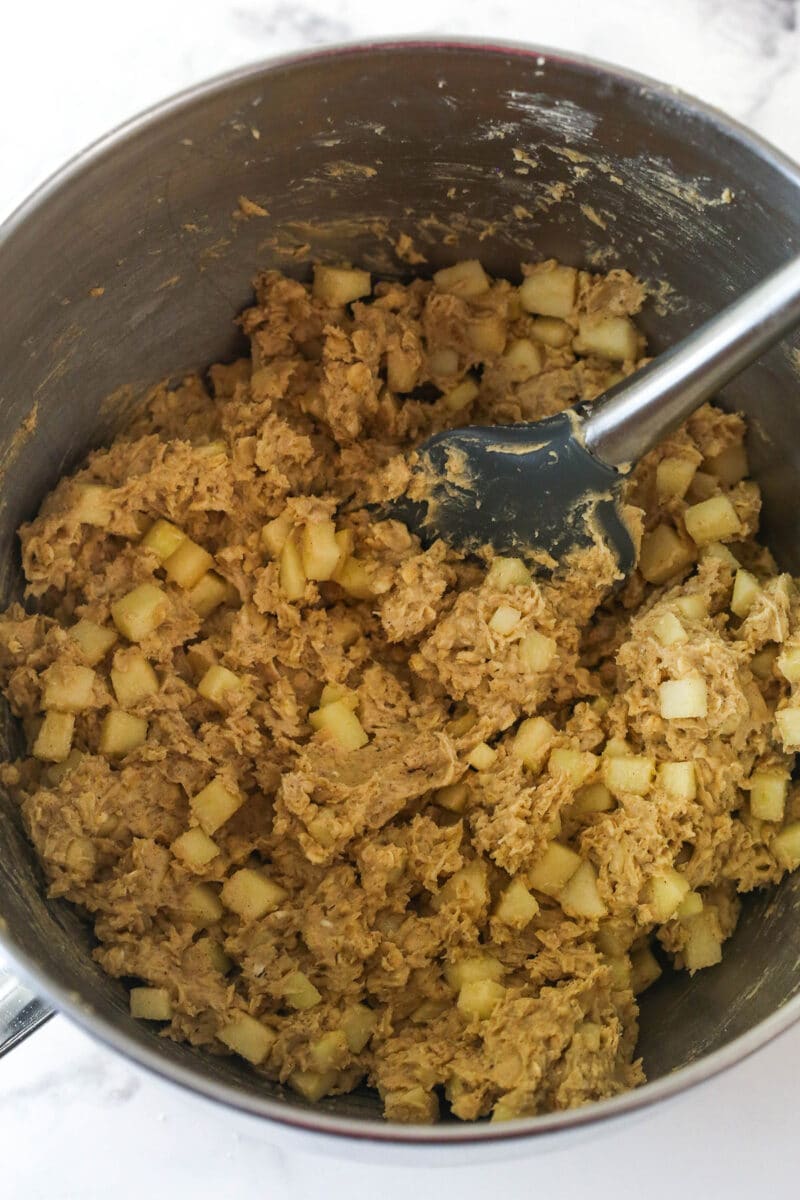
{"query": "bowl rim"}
pixel 349 1129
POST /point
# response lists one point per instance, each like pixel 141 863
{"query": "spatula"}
pixel 542 489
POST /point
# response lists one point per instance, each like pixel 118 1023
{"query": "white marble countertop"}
pixel 79 1123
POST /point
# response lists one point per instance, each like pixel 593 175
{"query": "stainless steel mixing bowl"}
pixel 500 152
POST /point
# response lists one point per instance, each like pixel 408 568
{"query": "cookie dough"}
pixel 365 812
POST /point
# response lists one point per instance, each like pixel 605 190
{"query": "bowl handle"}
pixel 21 1011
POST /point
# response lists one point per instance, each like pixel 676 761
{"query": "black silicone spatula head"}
pixel 531 491
pixel 541 490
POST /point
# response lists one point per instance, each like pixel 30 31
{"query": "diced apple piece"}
pixel 554 869
pixel 717 550
pixel 187 565
pixel 628 774
pixel 337 286
pixel 140 612
pixel 208 593
pixel 337 691
pixel 94 640
pixel 58 771
pixel 68 687
pixel 247 1037
pixel 319 549
pixel 703 947
pixel 429 1010
pixel 594 797
pixel 516 906
pixel 462 722
pixel 486 335
pixel 467 887
pixel 663 555
pixel 644 969
pixel 251 894
pixel 788 722
pixel 549 291
pixel 461 396
pixel 746 589
pixel 358 1023
pixel 465 279
pixel 215 804
pixel 291 573
pixel 93 504
pixel 163 538
pixel 211 449
pixel 505 573
pixel 762 664
pixel 133 679
pixel 768 792
pixel 54 739
pixel 402 369
pixel 299 992
pixel 121 732
pixel 786 846
pixel 617 747
pixel 442 362
pixel 580 897
pixel 730 465
pixel 476 966
pixel 217 959
pixel 551 332
pixel 524 359
pixel 330 1052
pixel 690 906
pixel 353 577
pixel 673 476
pixel 536 651
pixel 217 685
pixel 575 765
pixel 614 338
pixel 693 607
pixel 504 620
pixel 679 780
pixel 788 662
pixel 202 904
pixel 669 630
pixel 478 1000
pixel 150 1004
pixel 683 699
pixel 532 741
pixel 481 757
pixel 341 724
pixel 275 533
pixel 194 849
pixel 664 892
pixel 712 520
pixel 454 797
pixel 312 1085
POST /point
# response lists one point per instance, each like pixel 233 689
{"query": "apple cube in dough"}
pixel 215 804
pixel 54 739
pixel 68 687
pixel 194 849
pixel 247 1037
pixel 683 699
pixel 121 732
pixel 133 679
pixel 337 286
pixel 150 1004
pixel 140 612
pixel 549 291
pixel 94 640
pixel 163 538
pixel 712 520
pixel 464 279
pixel 251 894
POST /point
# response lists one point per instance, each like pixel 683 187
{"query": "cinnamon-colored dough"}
pixel 386 889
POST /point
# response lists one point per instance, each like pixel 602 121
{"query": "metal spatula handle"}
pixel 635 415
